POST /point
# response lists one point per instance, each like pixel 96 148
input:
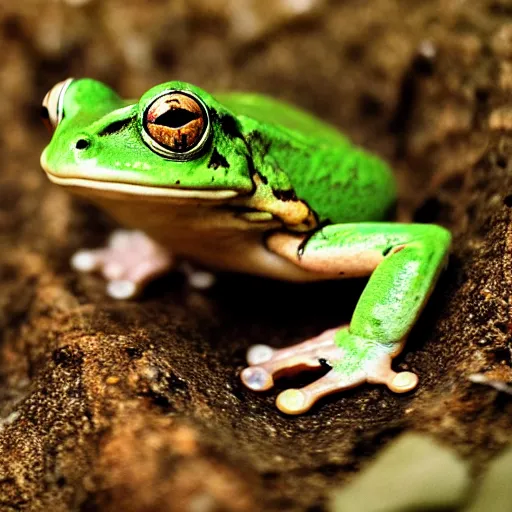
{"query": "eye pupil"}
pixel 176 118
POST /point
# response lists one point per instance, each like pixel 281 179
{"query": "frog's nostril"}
pixel 82 144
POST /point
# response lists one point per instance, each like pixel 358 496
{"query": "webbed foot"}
pixel 353 361
pixel 129 261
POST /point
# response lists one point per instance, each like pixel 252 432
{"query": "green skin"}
pixel 278 162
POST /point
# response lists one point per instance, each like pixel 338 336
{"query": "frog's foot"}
pixel 353 361
pixel 129 261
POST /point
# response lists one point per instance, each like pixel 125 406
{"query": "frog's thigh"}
pixel 345 259
pixel 404 261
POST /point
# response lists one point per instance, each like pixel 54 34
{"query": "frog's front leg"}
pixel 404 261
pixel 128 262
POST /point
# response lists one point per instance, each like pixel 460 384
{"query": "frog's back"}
pixel 341 182
pixel 272 112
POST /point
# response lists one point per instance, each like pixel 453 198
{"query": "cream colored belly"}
pixel 212 236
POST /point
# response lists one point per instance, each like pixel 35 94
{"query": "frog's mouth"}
pixel 118 188
pixel 113 189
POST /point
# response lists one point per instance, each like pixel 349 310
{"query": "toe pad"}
pixel 403 382
pixel 293 401
pixel 259 354
pixel 257 379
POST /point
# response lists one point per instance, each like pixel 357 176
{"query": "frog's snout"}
pixel 52 110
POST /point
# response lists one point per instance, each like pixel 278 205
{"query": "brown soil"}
pixel 137 406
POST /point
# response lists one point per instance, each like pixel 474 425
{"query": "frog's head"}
pixel 176 143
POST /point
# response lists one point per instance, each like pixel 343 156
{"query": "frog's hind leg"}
pixel 404 262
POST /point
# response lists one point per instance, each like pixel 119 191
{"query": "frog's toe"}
pixel 265 362
pixel 257 378
pixel 122 289
pixel 128 281
pixel 298 401
pixel 86 260
pixel 402 382
pixel 380 372
pixel 259 354
pixel 293 401
pixel 113 270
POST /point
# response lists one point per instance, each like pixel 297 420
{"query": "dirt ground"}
pixel 137 406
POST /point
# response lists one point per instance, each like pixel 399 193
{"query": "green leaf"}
pixel 413 473
pixel 495 491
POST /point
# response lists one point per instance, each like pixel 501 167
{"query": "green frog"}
pixel 245 183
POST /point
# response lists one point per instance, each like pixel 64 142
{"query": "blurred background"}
pixel 424 83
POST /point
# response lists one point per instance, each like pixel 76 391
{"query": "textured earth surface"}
pixel 137 405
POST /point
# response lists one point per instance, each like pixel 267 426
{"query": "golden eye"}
pixel 52 110
pixel 176 124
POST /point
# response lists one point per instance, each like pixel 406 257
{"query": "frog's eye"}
pixel 176 125
pixel 52 111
